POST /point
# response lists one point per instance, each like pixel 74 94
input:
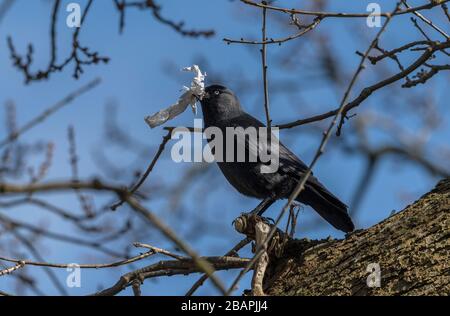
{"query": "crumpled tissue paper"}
pixel 190 97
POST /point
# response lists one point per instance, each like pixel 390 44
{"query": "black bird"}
pixel 221 109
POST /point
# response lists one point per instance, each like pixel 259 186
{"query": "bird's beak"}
pixel 205 95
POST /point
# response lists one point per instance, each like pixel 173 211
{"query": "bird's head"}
pixel 219 102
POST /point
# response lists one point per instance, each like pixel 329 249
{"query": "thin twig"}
pixel 169 268
pixel 82 266
pixel 366 92
pixel 205 277
pixel 18 266
pixel 424 75
pixel 264 67
pixel 278 41
pixel 48 112
pixel 391 53
pixel 59 237
pixel 445 9
pixel 150 167
pixel 36 254
pixel 430 23
pixel 203 265
pixel 156 11
pixel 343 14
pixel 159 250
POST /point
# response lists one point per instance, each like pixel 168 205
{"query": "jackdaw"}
pixel 221 109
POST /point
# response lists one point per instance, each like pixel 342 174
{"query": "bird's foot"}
pixel 242 222
pixel 268 220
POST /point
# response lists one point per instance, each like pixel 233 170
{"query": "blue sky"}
pixel 142 77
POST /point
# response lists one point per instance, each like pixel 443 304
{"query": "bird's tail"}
pixel 328 206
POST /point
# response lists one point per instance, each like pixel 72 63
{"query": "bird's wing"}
pixel 289 163
pixel 292 165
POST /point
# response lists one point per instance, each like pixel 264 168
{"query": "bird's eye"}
pixel 217 92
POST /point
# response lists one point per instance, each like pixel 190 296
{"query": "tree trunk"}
pixel 411 249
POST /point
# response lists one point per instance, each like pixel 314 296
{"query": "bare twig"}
pixel 82 266
pixel 152 164
pixel 424 75
pixel 159 250
pixel 76 55
pixel 36 254
pixel 48 112
pixel 18 266
pixel 445 9
pixel 366 92
pixel 172 267
pixel 59 237
pixel 391 53
pixel 279 41
pixel 151 5
pixel 163 228
pixel 205 277
pixel 264 67
pixel 343 14
pixel 83 199
pixel 424 19
pixel 4 8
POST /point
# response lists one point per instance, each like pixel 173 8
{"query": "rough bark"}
pixel 411 247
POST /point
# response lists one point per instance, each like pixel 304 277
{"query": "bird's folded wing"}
pixel 289 163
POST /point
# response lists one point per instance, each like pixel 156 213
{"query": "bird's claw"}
pixel 268 220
